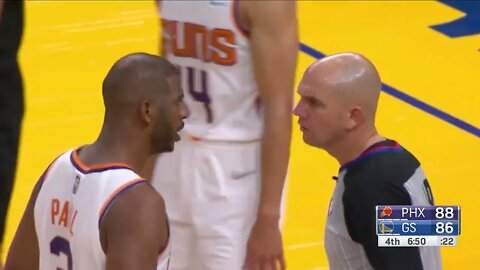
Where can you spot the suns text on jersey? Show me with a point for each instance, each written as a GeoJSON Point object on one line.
{"type": "Point", "coordinates": [185, 39]}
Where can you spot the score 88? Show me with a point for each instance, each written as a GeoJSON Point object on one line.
{"type": "Point", "coordinates": [444, 213]}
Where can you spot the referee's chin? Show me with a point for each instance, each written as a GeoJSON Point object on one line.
{"type": "Point", "coordinates": [312, 142]}
{"type": "Point", "coordinates": [309, 141]}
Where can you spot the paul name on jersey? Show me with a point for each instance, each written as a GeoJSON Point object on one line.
{"type": "Point", "coordinates": [62, 214]}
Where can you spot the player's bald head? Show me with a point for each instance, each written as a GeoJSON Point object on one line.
{"type": "Point", "coordinates": [135, 77]}
{"type": "Point", "coordinates": [352, 77]}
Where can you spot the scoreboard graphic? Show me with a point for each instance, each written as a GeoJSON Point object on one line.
{"type": "Point", "coordinates": [413, 226]}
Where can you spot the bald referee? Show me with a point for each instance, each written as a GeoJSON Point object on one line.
{"type": "Point", "coordinates": [339, 96]}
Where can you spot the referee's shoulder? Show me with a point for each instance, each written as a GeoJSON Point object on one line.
{"type": "Point", "coordinates": [382, 169]}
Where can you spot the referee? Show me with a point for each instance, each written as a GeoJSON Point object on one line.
{"type": "Point", "coordinates": [11, 100]}
{"type": "Point", "coordinates": [339, 96]}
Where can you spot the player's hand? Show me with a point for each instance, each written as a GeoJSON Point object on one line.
{"type": "Point", "coordinates": [264, 247]}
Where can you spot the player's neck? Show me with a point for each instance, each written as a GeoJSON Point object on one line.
{"type": "Point", "coordinates": [354, 145]}
{"type": "Point", "coordinates": [117, 148]}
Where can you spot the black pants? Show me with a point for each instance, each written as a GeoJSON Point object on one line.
{"type": "Point", "coordinates": [11, 114]}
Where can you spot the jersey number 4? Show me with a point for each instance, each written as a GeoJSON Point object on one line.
{"type": "Point", "coordinates": [61, 245]}
{"type": "Point", "coordinates": [197, 85]}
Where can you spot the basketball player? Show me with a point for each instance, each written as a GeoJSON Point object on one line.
{"type": "Point", "coordinates": [90, 209]}
{"type": "Point", "coordinates": [237, 62]}
{"type": "Point", "coordinates": [339, 96]}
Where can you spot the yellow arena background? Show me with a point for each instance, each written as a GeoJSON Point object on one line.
{"type": "Point", "coordinates": [69, 46]}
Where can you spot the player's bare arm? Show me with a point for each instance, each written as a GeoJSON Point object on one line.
{"type": "Point", "coordinates": [134, 230]}
{"type": "Point", "coordinates": [274, 42]}
{"type": "Point", "coordinates": [24, 253]}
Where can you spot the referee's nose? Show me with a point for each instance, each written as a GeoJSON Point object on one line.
{"type": "Point", "coordinates": [299, 109]}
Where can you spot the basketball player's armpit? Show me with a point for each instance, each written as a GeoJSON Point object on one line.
{"type": "Point", "coordinates": [134, 230]}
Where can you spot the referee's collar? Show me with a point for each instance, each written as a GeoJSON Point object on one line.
{"type": "Point", "coordinates": [379, 147]}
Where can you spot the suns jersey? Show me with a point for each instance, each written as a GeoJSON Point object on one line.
{"type": "Point", "coordinates": [212, 52]}
{"type": "Point", "coordinates": [70, 207]}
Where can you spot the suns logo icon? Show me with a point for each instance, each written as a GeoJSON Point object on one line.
{"type": "Point", "coordinates": [386, 212]}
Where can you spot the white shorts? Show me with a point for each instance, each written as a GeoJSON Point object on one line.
{"type": "Point", "coordinates": [211, 190]}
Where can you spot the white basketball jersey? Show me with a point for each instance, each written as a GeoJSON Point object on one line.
{"type": "Point", "coordinates": [69, 210]}
{"type": "Point", "coordinates": [212, 52]}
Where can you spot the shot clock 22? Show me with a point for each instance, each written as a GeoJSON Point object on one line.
{"type": "Point", "coordinates": [413, 226]}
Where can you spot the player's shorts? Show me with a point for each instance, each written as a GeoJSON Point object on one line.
{"type": "Point", "coordinates": [211, 190]}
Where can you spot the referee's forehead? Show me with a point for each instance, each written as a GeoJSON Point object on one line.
{"type": "Point", "coordinates": [305, 89]}
{"type": "Point", "coordinates": [309, 87]}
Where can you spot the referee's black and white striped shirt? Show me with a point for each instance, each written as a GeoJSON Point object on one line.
{"type": "Point", "coordinates": [385, 174]}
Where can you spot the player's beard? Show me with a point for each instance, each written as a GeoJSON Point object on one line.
{"type": "Point", "coordinates": [165, 137]}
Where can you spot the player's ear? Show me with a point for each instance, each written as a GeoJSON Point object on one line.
{"type": "Point", "coordinates": [146, 112]}
{"type": "Point", "coordinates": [355, 117]}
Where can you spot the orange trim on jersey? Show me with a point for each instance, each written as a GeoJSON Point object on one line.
{"type": "Point", "coordinates": [194, 138]}
{"type": "Point", "coordinates": [235, 17]}
{"type": "Point", "coordinates": [112, 196]}
{"type": "Point", "coordinates": [96, 166]}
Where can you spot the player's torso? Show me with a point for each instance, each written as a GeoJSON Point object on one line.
{"type": "Point", "coordinates": [213, 54]}
{"type": "Point", "coordinates": [68, 211]}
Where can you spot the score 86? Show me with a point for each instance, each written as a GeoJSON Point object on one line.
{"type": "Point", "coordinates": [444, 213]}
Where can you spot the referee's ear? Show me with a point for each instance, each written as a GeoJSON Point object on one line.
{"type": "Point", "coordinates": [356, 118]}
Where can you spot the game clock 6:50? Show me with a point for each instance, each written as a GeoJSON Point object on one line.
{"type": "Point", "coordinates": [417, 241]}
